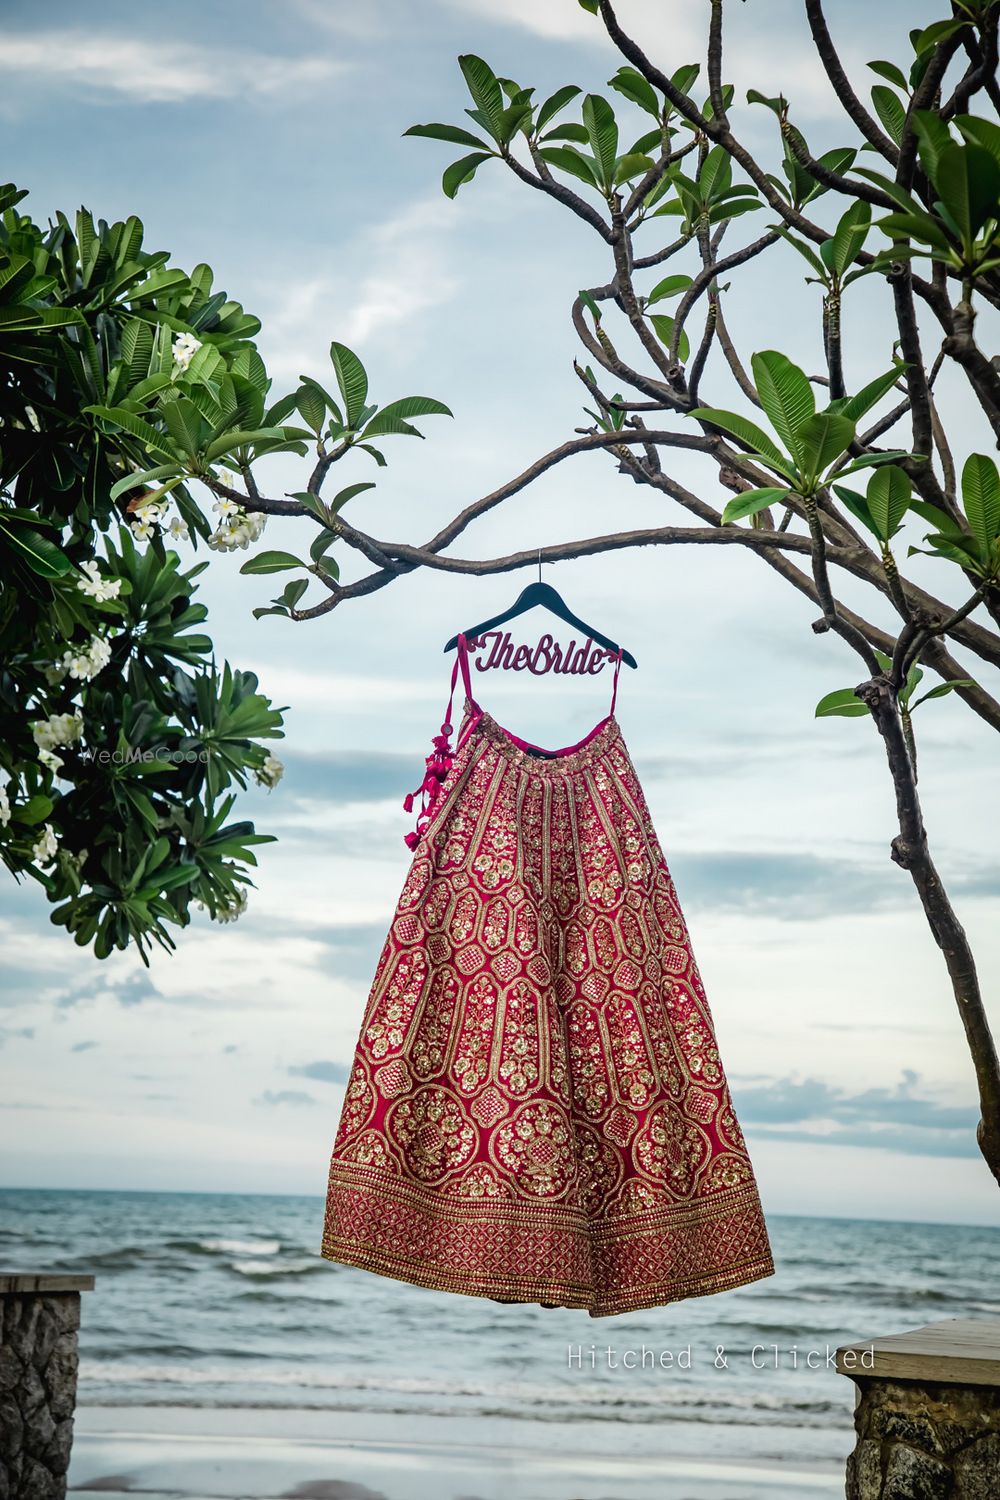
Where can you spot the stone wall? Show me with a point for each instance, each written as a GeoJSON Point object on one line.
{"type": "Point", "coordinates": [925, 1441]}
{"type": "Point", "coordinates": [39, 1319]}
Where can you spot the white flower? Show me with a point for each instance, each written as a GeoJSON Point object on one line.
{"type": "Point", "coordinates": [94, 585]}
{"type": "Point", "coordinates": [233, 910]}
{"type": "Point", "coordinates": [47, 846]}
{"type": "Point", "coordinates": [58, 729]}
{"type": "Point", "coordinates": [178, 529]}
{"type": "Point", "coordinates": [51, 761]}
{"type": "Point", "coordinates": [270, 773]}
{"type": "Point", "coordinates": [149, 512]}
{"type": "Point", "coordinates": [87, 662]}
{"type": "Point", "coordinates": [4, 807]}
{"type": "Point", "coordinates": [142, 531]}
{"type": "Point", "coordinates": [100, 654]}
{"type": "Point", "coordinates": [185, 347]}
{"type": "Point", "coordinates": [227, 507]}
{"type": "Point", "coordinates": [236, 528]}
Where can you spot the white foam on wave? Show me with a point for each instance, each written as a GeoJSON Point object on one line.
{"type": "Point", "coordinates": [242, 1247]}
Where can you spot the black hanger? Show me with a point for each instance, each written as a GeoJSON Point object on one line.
{"type": "Point", "coordinates": [545, 595]}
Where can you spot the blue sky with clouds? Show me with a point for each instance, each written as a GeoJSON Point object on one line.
{"type": "Point", "coordinates": [271, 147]}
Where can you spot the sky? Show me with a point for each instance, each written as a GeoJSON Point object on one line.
{"type": "Point", "coordinates": [273, 150]}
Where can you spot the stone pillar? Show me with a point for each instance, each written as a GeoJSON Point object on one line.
{"type": "Point", "coordinates": [39, 1319]}
{"type": "Point", "coordinates": [927, 1414]}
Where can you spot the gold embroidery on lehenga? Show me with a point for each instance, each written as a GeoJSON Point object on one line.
{"type": "Point", "coordinates": [537, 1108]}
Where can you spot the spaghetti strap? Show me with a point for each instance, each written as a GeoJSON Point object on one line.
{"type": "Point", "coordinates": [439, 762]}
{"type": "Point", "coordinates": [614, 688]}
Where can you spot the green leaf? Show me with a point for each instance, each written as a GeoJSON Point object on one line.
{"type": "Point", "coordinates": [919, 226]}
{"type": "Point", "coordinates": [242, 439]}
{"type": "Point", "coordinates": [664, 326]}
{"type": "Point", "coordinates": [857, 505]}
{"type": "Point", "coordinates": [841, 704]}
{"type": "Point", "coordinates": [942, 689]}
{"type": "Point", "coordinates": [631, 84]}
{"type": "Point", "coordinates": [462, 171]}
{"type": "Point", "coordinates": [749, 502]}
{"type": "Point", "coordinates": [954, 547]}
{"type": "Point", "coordinates": [568, 159]}
{"type": "Point", "coordinates": [822, 438]}
{"type": "Point", "coordinates": [979, 132]}
{"type": "Point", "coordinates": [453, 133]}
{"type": "Point", "coordinates": [855, 407]}
{"type": "Point", "coordinates": [591, 306]}
{"type": "Point", "coordinates": [292, 592]}
{"type": "Point", "coordinates": [569, 132]}
{"type": "Point", "coordinates": [889, 495]}
{"type": "Point", "coordinates": [889, 70]}
{"type": "Point", "coordinates": [777, 104]}
{"type": "Point", "coordinates": [351, 379]}
{"type": "Point", "coordinates": [785, 394]}
{"type": "Point", "coordinates": [312, 407]}
{"type": "Point", "coordinates": [391, 419]}
{"type": "Point", "coordinates": [553, 104]}
{"type": "Point", "coordinates": [271, 562]}
{"type": "Point", "coordinates": [141, 480]}
{"type": "Point", "coordinates": [670, 286]}
{"type": "Point", "coordinates": [968, 184]}
{"type": "Point", "coordinates": [632, 164]}
{"type": "Point", "coordinates": [849, 236]}
{"type": "Point", "coordinates": [935, 34]}
{"type": "Point", "coordinates": [130, 423]}
{"type": "Point", "coordinates": [939, 519]}
{"type": "Point", "coordinates": [872, 460]}
{"type": "Point", "coordinates": [32, 812]}
{"type": "Point", "coordinates": [185, 424]}
{"type": "Point", "coordinates": [748, 432]}
{"type": "Point", "coordinates": [806, 252]}
{"type": "Point", "coordinates": [890, 110]}
{"type": "Point", "coordinates": [40, 554]}
{"type": "Point", "coordinates": [981, 499]}
{"type": "Point", "coordinates": [485, 90]}
{"type": "Point", "coordinates": [341, 498]}
{"type": "Point", "coordinates": [602, 128]}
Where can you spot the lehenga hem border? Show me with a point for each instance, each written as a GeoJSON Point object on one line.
{"type": "Point", "coordinates": [634, 1299]}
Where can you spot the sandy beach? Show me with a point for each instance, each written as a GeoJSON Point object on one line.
{"type": "Point", "coordinates": [246, 1454]}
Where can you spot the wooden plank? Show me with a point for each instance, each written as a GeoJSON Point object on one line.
{"type": "Point", "coordinates": [960, 1351]}
{"type": "Point", "coordinates": [55, 1281]}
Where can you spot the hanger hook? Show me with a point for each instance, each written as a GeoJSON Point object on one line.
{"type": "Point", "coordinates": [539, 565]}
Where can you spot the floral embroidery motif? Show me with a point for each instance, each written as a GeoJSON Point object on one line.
{"type": "Point", "coordinates": [671, 1149]}
{"type": "Point", "coordinates": [536, 1149]}
{"type": "Point", "coordinates": [432, 1133]}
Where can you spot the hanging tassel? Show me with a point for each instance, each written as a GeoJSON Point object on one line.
{"type": "Point", "coordinates": [438, 764]}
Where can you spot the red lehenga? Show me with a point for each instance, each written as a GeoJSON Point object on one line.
{"type": "Point", "coordinates": [537, 1111]}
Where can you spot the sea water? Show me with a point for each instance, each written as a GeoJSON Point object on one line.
{"type": "Point", "coordinates": [222, 1301]}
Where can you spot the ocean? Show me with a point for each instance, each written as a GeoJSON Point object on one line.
{"type": "Point", "coordinates": [215, 1303]}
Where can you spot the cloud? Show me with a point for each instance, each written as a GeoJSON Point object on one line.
{"type": "Point", "coordinates": [349, 775]}
{"type": "Point", "coordinates": [270, 1098]}
{"type": "Point", "coordinates": [385, 280]}
{"type": "Point", "coordinates": [326, 1072]}
{"type": "Point", "coordinates": [131, 991]}
{"type": "Point", "coordinates": [7, 1033]}
{"type": "Point", "coordinates": [895, 1119]}
{"type": "Point", "coordinates": [676, 34]}
{"type": "Point", "coordinates": [83, 1046]}
{"type": "Point", "coordinates": [110, 67]}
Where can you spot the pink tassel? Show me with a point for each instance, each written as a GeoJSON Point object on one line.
{"type": "Point", "coordinates": [438, 764]}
